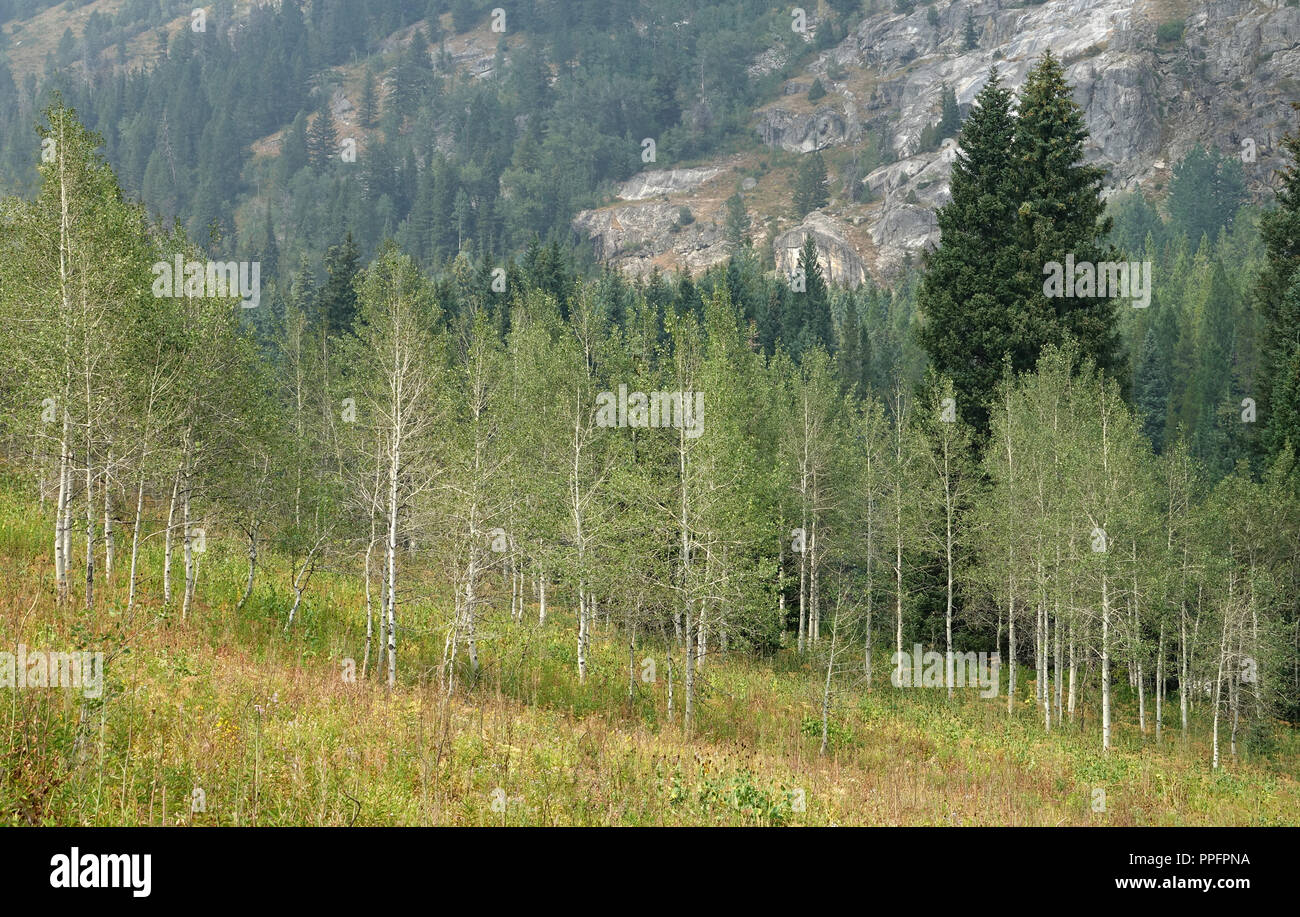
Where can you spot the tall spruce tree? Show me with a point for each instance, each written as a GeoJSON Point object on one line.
{"type": "Point", "coordinates": [812, 188]}
{"type": "Point", "coordinates": [369, 113]}
{"type": "Point", "coordinates": [1283, 429]}
{"type": "Point", "coordinates": [338, 297]}
{"type": "Point", "coordinates": [967, 297]}
{"type": "Point", "coordinates": [810, 312]}
{"type": "Point", "coordinates": [950, 119]}
{"type": "Point", "coordinates": [1151, 390]}
{"type": "Point", "coordinates": [1061, 213]}
{"type": "Point", "coordinates": [1280, 230]}
{"type": "Point", "coordinates": [321, 138]}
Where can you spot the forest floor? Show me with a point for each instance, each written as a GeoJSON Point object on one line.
{"type": "Point", "coordinates": [226, 719]}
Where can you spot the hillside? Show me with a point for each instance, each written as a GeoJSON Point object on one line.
{"type": "Point", "coordinates": [1154, 80]}
{"type": "Point", "coordinates": [267, 726]}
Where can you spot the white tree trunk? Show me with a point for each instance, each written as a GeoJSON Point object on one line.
{"type": "Point", "coordinates": [1074, 674]}
{"type": "Point", "coordinates": [1060, 665]}
{"type": "Point", "coordinates": [582, 633]}
{"type": "Point", "coordinates": [90, 524]}
{"type": "Point", "coordinates": [61, 559]}
{"type": "Point", "coordinates": [167, 540]}
{"type": "Point", "coordinates": [191, 571]}
{"type": "Point", "coordinates": [1105, 663]}
{"type": "Point", "coordinates": [688, 719]}
{"type": "Point", "coordinates": [370, 615]}
{"type": "Point", "coordinates": [390, 590]}
{"type": "Point", "coordinates": [135, 538]}
{"type": "Point", "coordinates": [1160, 682]}
{"type": "Point", "coordinates": [1011, 653]}
{"type": "Point", "coordinates": [108, 518]}
{"type": "Point", "coordinates": [1183, 667]}
{"type": "Point", "coordinates": [898, 573]}
{"type": "Point", "coordinates": [826, 687]}
{"type": "Point", "coordinates": [1218, 688]}
{"type": "Point", "coordinates": [803, 580]}
{"type": "Point", "coordinates": [252, 567]}
{"type": "Point", "coordinates": [948, 562]}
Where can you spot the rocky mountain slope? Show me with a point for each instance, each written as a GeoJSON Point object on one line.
{"type": "Point", "coordinates": [1154, 78]}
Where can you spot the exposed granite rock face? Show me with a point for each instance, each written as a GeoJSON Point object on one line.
{"type": "Point", "coordinates": [624, 230]}
{"type": "Point", "coordinates": [829, 125]}
{"type": "Point", "coordinates": [637, 236]}
{"type": "Point", "coordinates": [922, 178]}
{"type": "Point", "coordinates": [664, 181]}
{"type": "Point", "coordinates": [769, 61]}
{"type": "Point", "coordinates": [837, 256]}
{"type": "Point", "coordinates": [906, 229]}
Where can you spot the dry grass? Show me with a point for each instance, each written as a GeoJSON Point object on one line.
{"type": "Point", "coordinates": [265, 725]}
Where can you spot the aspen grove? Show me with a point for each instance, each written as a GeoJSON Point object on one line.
{"type": "Point", "coordinates": [436, 439]}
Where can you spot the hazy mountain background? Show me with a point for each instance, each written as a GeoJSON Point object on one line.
{"type": "Point", "coordinates": [473, 140]}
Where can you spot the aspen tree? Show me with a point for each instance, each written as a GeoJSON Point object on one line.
{"type": "Point", "coordinates": [397, 367]}
{"type": "Point", "coordinates": [944, 490]}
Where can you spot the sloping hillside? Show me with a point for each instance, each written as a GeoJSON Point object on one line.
{"type": "Point", "coordinates": [1153, 78]}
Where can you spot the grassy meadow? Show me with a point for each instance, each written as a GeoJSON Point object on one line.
{"type": "Point", "coordinates": [226, 719]}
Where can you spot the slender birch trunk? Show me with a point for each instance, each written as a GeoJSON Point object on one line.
{"type": "Point", "coordinates": [108, 518]}
{"type": "Point", "coordinates": [167, 539]}
{"type": "Point", "coordinates": [139, 494]}
{"type": "Point", "coordinates": [948, 562]}
{"type": "Point", "coordinates": [1059, 664]}
{"type": "Point", "coordinates": [90, 515]}
{"type": "Point", "coordinates": [803, 579]}
{"type": "Point", "coordinates": [61, 558]}
{"type": "Point", "coordinates": [135, 535]}
{"type": "Point", "coordinates": [780, 576]}
{"type": "Point", "coordinates": [1105, 663]}
{"type": "Point", "coordinates": [1218, 688]}
{"type": "Point", "coordinates": [688, 718]}
{"type": "Point", "coordinates": [1183, 667]}
{"type": "Point", "coordinates": [631, 664]}
{"type": "Point", "coordinates": [370, 613]}
{"type": "Point", "coordinates": [252, 568]}
{"type": "Point", "coordinates": [390, 598]}
{"type": "Point", "coordinates": [1160, 682]}
{"type": "Point", "coordinates": [63, 522]}
{"type": "Point", "coordinates": [191, 569]}
{"type": "Point", "coordinates": [871, 587]}
{"type": "Point", "coordinates": [1074, 674]}
{"type": "Point", "coordinates": [1011, 653]}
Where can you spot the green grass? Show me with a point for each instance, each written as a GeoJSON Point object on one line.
{"type": "Point", "coordinates": [263, 723]}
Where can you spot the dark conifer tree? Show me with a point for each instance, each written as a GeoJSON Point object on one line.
{"type": "Point", "coordinates": [967, 298]}
{"type": "Point", "coordinates": [338, 296]}
{"type": "Point", "coordinates": [1151, 390]}
{"type": "Point", "coordinates": [812, 187]}
{"type": "Point", "coordinates": [322, 141]}
{"type": "Point", "coordinates": [1061, 212]}
{"type": "Point", "coordinates": [1279, 302]}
